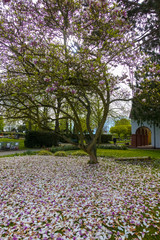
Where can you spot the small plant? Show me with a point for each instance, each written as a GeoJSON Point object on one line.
{"type": "Point", "coordinates": [28, 152]}
{"type": "Point", "coordinates": [117, 147]}
{"type": "Point", "coordinates": [156, 163]}
{"type": "Point", "coordinates": [60, 154]}
{"type": "Point", "coordinates": [45, 153]}
{"type": "Point", "coordinates": [79, 153]}
{"type": "Point", "coordinates": [64, 148]}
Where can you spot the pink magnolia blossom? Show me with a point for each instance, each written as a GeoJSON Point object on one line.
{"type": "Point", "coordinates": [47, 79]}
{"type": "Point", "coordinates": [153, 69]}
{"type": "Point", "coordinates": [43, 60]}
{"type": "Point", "coordinates": [51, 89]}
{"type": "Point", "coordinates": [6, 1]}
{"type": "Point", "coordinates": [102, 82]}
{"type": "Point", "coordinates": [47, 90]}
{"type": "Point", "coordinates": [56, 83]}
{"type": "Point", "coordinates": [34, 60]}
{"type": "Point", "coordinates": [33, 43]}
{"type": "Point", "coordinates": [73, 91]}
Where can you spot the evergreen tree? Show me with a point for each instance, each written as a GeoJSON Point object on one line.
{"type": "Point", "coordinates": [145, 20]}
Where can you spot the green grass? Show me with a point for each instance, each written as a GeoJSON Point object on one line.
{"type": "Point", "coordinates": [110, 153]}
{"type": "Point", "coordinates": [27, 152]}
{"type": "Point", "coordinates": [114, 153]}
{"type": "Point", "coordinates": [20, 141]}
{"type": "Point", "coordinates": [128, 153]}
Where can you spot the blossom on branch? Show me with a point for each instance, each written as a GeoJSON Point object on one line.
{"type": "Point", "coordinates": [6, 1]}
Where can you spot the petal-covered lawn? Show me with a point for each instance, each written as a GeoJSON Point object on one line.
{"type": "Point", "coordinates": [44, 197]}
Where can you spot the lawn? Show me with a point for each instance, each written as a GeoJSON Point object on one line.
{"type": "Point", "coordinates": [129, 153]}
{"type": "Point", "coordinates": [20, 141]}
{"type": "Point", "coordinates": [48, 197]}
{"type": "Point", "coordinates": [114, 153]}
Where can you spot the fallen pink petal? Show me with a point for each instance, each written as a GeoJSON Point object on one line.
{"type": "Point", "coordinates": [44, 197]}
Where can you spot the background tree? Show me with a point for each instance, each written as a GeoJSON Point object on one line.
{"type": "Point", "coordinates": [1, 123]}
{"type": "Point", "coordinates": [122, 121]}
{"type": "Point", "coordinates": [146, 101]}
{"type": "Point", "coordinates": [145, 19]}
{"type": "Point", "coordinates": [122, 128]}
{"type": "Point", "coordinates": [64, 51]}
{"type": "Point", "coordinates": [22, 128]}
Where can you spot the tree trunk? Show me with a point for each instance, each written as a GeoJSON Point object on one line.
{"type": "Point", "coordinates": [93, 155]}
{"type": "Point", "coordinates": [57, 132]}
{"type": "Point", "coordinates": [30, 125]}
{"type": "Point", "coordinates": [99, 139]}
{"type": "Point", "coordinates": [67, 130]}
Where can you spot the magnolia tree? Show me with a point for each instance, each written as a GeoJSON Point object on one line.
{"type": "Point", "coordinates": [57, 55]}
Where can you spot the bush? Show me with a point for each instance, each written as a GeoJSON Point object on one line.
{"type": "Point", "coordinates": [79, 153]}
{"type": "Point", "coordinates": [28, 152]}
{"type": "Point", "coordinates": [117, 147]}
{"type": "Point", "coordinates": [13, 134]}
{"type": "Point", "coordinates": [60, 154]}
{"type": "Point", "coordinates": [73, 137]}
{"type": "Point", "coordinates": [45, 153]}
{"type": "Point", "coordinates": [156, 163]}
{"type": "Point", "coordinates": [106, 138]}
{"type": "Point", "coordinates": [40, 139]}
{"type": "Point", "coordinates": [64, 148]}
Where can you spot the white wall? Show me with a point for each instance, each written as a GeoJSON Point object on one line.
{"type": "Point", "coordinates": [157, 137]}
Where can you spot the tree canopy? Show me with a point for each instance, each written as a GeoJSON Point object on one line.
{"type": "Point", "coordinates": [1, 123]}
{"type": "Point", "coordinates": [122, 128]}
{"type": "Point", "coordinates": [56, 59]}
{"type": "Point", "coordinates": [122, 121]}
{"type": "Point", "coordinates": [146, 99]}
{"type": "Point", "coordinates": [145, 18]}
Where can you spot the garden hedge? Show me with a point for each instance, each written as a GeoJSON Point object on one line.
{"type": "Point", "coordinates": [105, 138]}
{"type": "Point", "coordinates": [40, 139]}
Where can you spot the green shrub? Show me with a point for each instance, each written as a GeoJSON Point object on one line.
{"type": "Point", "coordinates": [40, 139]}
{"type": "Point", "coordinates": [79, 153]}
{"type": "Point", "coordinates": [28, 152]}
{"type": "Point", "coordinates": [106, 138]}
{"type": "Point", "coordinates": [45, 152]}
{"type": "Point", "coordinates": [60, 154]}
{"type": "Point", "coordinates": [64, 148]}
{"type": "Point", "coordinates": [156, 163]}
{"type": "Point", "coordinates": [117, 147]}
{"type": "Point", "coordinates": [73, 137]}
{"type": "Point", "coordinates": [13, 134]}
